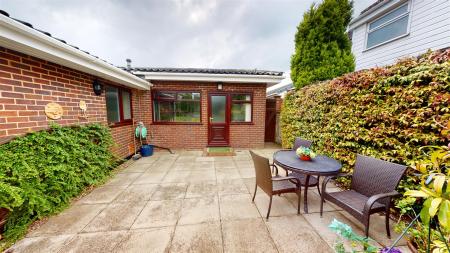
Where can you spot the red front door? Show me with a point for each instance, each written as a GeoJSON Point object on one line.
{"type": "Point", "coordinates": [218, 120]}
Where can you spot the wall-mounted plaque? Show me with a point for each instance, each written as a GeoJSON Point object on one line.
{"type": "Point", "coordinates": [54, 110]}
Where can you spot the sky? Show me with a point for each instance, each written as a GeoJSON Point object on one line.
{"type": "Point", "coordinates": [174, 33]}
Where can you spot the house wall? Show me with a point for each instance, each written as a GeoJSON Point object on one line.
{"type": "Point", "coordinates": [196, 135]}
{"type": "Point", "coordinates": [429, 29]}
{"type": "Point", "coordinates": [27, 84]}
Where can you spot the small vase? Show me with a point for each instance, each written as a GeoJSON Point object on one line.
{"type": "Point", "coordinates": [305, 158]}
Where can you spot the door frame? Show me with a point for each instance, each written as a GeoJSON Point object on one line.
{"type": "Point", "coordinates": [227, 117]}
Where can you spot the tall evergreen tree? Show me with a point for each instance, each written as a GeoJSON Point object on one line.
{"type": "Point", "coordinates": [322, 47]}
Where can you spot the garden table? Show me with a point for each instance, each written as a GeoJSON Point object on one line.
{"type": "Point", "coordinates": [321, 165]}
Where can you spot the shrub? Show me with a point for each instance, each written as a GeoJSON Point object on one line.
{"type": "Point", "coordinates": [387, 113]}
{"type": "Point", "coordinates": [42, 171]}
{"type": "Point", "coordinates": [322, 46]}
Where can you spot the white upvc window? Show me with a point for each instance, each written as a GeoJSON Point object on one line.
{"type": "Point", "coordinates": [392, 25]}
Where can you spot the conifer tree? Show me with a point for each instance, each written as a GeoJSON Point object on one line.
{"type": "Point", "coordinates": [322, 46]}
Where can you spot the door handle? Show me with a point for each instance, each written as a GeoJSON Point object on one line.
{"type": "Point", "coordinates": [210, 119]}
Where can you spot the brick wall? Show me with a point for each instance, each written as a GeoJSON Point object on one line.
{"type": "Point", "coordinates": [27, 84]}
{"type": "Point", "coordinates": [196, 136]}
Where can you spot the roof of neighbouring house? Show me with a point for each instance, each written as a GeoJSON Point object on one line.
{"type": "Point", "coordinates": [248, 76]}
{"type": "Point", "coordinates": [372, 6]}
{"type": "Point", "coordinates": [209, 71]}
{"type": "Point", "coordinates": [371, 10]}
{"type": "Point", "coordinates": [34, 37]}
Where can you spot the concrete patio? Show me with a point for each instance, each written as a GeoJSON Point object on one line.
{"type": "Point", "coordinates": [189, 203]}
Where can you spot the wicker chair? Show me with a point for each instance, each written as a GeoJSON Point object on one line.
{"type": "Point", "coordinates": [373, 186]}
{"type": "Point", "coordinates": [273, 185]}
{"type": "Point", "coordinates": [313, 180]}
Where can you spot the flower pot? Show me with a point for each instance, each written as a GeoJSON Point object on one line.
{"type": "Point", "coordinates": [305, 158]}
{"type": "Point", "coordinates": [411, 246]}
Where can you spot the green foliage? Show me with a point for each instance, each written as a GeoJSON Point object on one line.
{"type": "Point", "coordinates": [42, 171]}
{"type": "Point", "coordinates": [346, 232]}
{"type": "Point", "coordinates": [387, 113]}
{"type": "Point", "coordinates": [322, 47]}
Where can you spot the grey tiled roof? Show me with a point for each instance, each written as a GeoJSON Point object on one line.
{"type": "Point", "coordinates": [256, 72]}
{"type": "Point", "coordinates": [4, 13]}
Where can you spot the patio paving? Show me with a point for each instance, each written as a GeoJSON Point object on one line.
{"type": "Point", "coordinates": [185, 202]}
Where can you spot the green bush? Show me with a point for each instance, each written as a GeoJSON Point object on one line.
{"type": "Point", "coordinates": [322, 46]}
{"type": "Point", "coordinates": [387, 113]}
{"type": "Point", "coordinates": [42, 171]}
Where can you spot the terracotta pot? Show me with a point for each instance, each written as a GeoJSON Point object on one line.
{"type": "Point", "coordinates": [411, 246]}
{"type": "Point", "coordinates": [305, 158]}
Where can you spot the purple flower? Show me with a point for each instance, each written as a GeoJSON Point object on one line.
{"type": "Point", "coordinates": [386, 249]}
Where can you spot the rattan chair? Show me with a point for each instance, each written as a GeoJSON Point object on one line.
{"type": "Point", "coordinates": [373, 186]}
{"type": "Point", "coordinates": [313, 180]}
{"type": "Point", "coordinates": [273, 185]}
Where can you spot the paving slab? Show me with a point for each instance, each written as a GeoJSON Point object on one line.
{"type": "Point", "coordinates": [158, 214]}
{"type": "Point", "coordinates": [313, 202]}
{"type": "Point", "coordinates": [247, 173]}
{"type": "Point", "coordinates": [177, 177]}
{"type": "Point", "coordinates": [170, 191]}
{"type": "Point", "coordinates": [150, 177]}
{"type": "Point", "coordinates": [204, 165]}
{"type": "Point", "coordinates": [117, 216]}
{"type": "Point", "coordinates": [124, 179]}
{"type": "Point", "coordinates": [137, 193]}
{"type": "Point", "coordinates": [231, 186]}
{"type": "Point", "coordinates": [102, 195]}
{"type": "Point", "coordinates": [280, 205]}
{"type": "Point", "coordinates": [70, 221]}
{"type": "Point", "coordinates": [199, 210]}
{"type": "Point", "coordinates": [205, 237]}
{"type": "Point", "coordinates": [136, 168]}
{"type": "Point", "coordinates": [41, 244]}
{"type": "Point", "coordinates": [201, 189]}
{"type": "Point", "coordinates": [155, 240]}
{"type": "Point", "coordinates": [94, 242]}
{"type": "Point", "coordinates": [227, 173]}
{"type": "Point", "coordinates": [237, 207]}
{"type": "Point", "coordinates": [294, 234]}
{"type": "Point", "coordinates": [225, 164]}
{"type": "Point", "coordinates": [247, 235]}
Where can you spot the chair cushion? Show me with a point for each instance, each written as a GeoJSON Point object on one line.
{"type": "Point", "coordinates": [283, 186]}
{"type": "Point", "coordinates": [352, 202]}
{"type": "Point", "coordinates": [313, 181]}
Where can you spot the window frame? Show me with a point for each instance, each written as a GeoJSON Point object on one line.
{"type": "Point", "coordinates": [122, 121]}
{"type": "Point", "coordinates": [241, 102]}
{"type": "Point", "coordinates": [153, 94]}
{"type": "Point", "coordinates": [368, 30]}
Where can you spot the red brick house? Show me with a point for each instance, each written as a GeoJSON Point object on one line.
{"type": "Point", "coordinates": [182, 108]}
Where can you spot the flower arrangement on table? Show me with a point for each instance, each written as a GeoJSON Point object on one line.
{"type": "Point", "coordinates": [305, 154]}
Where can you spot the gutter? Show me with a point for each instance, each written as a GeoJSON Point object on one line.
{"type": "Point", "coordinates": [19, 37]}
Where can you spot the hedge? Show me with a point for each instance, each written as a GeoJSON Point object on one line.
{"type": "Point", "coordinates": [386, 113]}
{"type": "Point", "coordinates": [41, 172]}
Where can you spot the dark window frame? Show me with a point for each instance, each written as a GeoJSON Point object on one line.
{"type": "Point", "coordinates": [122, 121]}
{"type": "Point", "coordinates": [154, 99]}
{"type": "Point", "coordinates": [241, 102]}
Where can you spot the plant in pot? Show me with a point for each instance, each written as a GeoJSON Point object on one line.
{"type": "Point", "coordinates": [305, 154]}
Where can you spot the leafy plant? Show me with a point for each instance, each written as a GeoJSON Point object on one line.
{"type": "Point", "coordinates": [305, 151]}
{"type": "Point", "coordinates": [346, 232]}
{"type": "Point", "coordinates": [42, 171]}
{"type": "Point", "coordinates": [322, 46]}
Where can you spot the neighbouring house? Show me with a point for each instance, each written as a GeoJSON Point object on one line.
{"type": "Point", "coordinates": [280, 89]}
{"type": "Point", "coordinates": [182, 108]}
{"type": "Point", "coordinates": [392, 29]}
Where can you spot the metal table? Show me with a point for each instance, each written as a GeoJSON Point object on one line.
{"type": "Point", "coordinates": [319, 166]}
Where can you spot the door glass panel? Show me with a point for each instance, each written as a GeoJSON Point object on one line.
{"type": "Point", "coordinates": [218, 109]}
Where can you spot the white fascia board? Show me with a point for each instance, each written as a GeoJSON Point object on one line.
{"type": "Point", "coordinates": [374, 13]}
{"type": "Point", "coordinates": [227, 78]}
{"type": "Point", "coordinates": [21, 38]}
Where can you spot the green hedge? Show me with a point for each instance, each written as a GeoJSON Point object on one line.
{"type": "Point", "coordinates": [382, 112]}
{"type": "Point", "coordinates": [42, 171]}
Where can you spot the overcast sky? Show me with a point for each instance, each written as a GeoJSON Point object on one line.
{"type": "Point", "coordinates": [174, 33]}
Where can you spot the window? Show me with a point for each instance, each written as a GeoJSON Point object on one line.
{"type": "Point", "coordinates": [118, 105]}
{"type": "Point", "coordinates": [390, 26]}
{"type": "Point", "coordinates": [182, 107]}
{"type": "Point", "coordinates": [241, 108]}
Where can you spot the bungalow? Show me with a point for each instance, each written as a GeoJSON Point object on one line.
{"type": "Point", "coordinates": [391, 29]}
{"type": "Point", "coordinates": [44, 79]}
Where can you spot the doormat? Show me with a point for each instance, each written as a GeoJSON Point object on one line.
{"type": "Point", "coordinates": [219, 151]}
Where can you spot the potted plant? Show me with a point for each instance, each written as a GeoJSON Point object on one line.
{"type": "Point", "coordinates": [305, 154]}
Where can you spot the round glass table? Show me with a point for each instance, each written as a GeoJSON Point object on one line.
{"type": "Point", "coordinates": [321, 165]}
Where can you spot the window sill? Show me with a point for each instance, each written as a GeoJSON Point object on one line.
{"type": "Point", "coordinates": [120, 124]}
{"type": "Point", "coordinates": [177, 123]}
{"type": "Point", "coordinates": [386, 42]}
